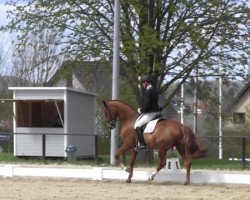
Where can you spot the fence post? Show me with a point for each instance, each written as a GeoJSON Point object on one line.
{"type": "Point", "coordinates": [44, 148]}
{"type": "Point", "coordinates": [96, 149]}
{"type": "Point", "coordinates": [243, 153]}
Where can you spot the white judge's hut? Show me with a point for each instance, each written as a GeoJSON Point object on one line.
{"type": "Point", "coordinates": [49, 119]}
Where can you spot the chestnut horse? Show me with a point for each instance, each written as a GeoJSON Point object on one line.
{"type": "Point", "coordinates": [167, 134]}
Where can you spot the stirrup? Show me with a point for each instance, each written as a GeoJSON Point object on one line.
{"type": "Point", "coordinates": [140, 148]}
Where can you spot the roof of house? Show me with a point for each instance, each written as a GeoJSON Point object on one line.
{"type": "Point", "coordinates": [240, 94]}
{"type": "Point", "coordinates": [64, 72]}
{"type": "Point", "coordinates": [93, 75]}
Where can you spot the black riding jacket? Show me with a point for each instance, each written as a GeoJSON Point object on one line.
{"type": "Point", "coordinates": [150, 100]}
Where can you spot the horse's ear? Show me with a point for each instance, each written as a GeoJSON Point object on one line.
{"type": "Point", "coordinates": [104, 103]}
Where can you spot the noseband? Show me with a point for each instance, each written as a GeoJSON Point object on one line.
{"type": "Point", "coordinates": [111, 120]}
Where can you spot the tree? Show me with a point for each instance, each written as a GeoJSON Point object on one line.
{"type": "Point", "coordinates": [4, 51]}
{"type": "Point", "coordinates": [35, 59]}
{"type": "Point", "coordinates": [1, 58]}
{"type": "Point", "coordinates": [164, 38]}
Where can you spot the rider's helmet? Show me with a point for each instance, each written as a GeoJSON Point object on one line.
{"type": "Point", "coordinates": [147, 78]}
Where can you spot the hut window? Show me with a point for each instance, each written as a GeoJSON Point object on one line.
{"type": "Point", "coordinates": [239, 118]}
{"type": "Point", "coordinates": [38, 114]}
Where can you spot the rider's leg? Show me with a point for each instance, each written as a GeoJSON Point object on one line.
{"type": "Point", "coordinates": [141, 142]}
{"type": "Point", "coordinates": [141, 121]}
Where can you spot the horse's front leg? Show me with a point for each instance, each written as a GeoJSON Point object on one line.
{"type": "Point", "coordinates": [118, 154]}
{"type": "Point", "coordinates": [121, 151]}
{"type": "Point", "coordinates": [132, 163]}
{"type": "Point", "coordinates": [162, 162]}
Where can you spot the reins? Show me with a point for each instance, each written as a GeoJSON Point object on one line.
{"type": "Point", "coordinates": [112, 118]}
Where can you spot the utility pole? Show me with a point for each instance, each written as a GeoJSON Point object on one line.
{"type": "Point", "coordinates": [115, 77]}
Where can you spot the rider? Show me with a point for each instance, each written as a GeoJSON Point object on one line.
{"type": "Point", "coordinates": [149, 109]}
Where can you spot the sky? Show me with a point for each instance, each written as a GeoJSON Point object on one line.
{"type": "Point", "coordinates": [5, 40]}
{"type": "Point", "coordinates": [3, 9]}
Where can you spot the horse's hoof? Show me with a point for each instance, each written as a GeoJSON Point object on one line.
{"type": "Point", "coordinates": [150, 178]}
{"type": "Point", "coordinates": [186, 183]}
{"type": "Point", "coordinates": [128, 181]}
{"type": "Point", "coordinates": [127, 169]}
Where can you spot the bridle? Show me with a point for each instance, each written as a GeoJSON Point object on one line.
{"type": "Point", "coordinates": [111, 116]}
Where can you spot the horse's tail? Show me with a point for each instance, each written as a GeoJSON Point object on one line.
{"type": "Point", "coordinates": [192, 147]}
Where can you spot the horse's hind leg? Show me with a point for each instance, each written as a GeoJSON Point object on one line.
{"type": "Point", "coordinates": [187, 163]}
{"type": "Point", "coordinates": [162, 162]}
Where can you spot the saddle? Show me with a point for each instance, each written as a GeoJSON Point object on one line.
{"type": "Point", "coordinates": [150, 126]}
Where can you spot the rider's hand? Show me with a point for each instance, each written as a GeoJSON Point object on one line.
{"type": "Point", "coordinates": [139, 110]}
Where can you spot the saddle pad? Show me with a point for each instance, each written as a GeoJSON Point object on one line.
{"type": "Point", "coordinates": [151, 126]}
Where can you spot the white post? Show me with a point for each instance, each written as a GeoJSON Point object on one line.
{"type": "Point", "coordinates": [115, 78]}
{"type": "Point", "coordinates": [220, 119]}
{"type": "Point", "coordinates": [182, 103]}
{"type": "Point", "coordinates": [182, 94]}
{"type": "Point", "coordinates": [195, 102]}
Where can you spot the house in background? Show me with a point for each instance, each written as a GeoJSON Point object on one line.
{"type": "Point", "coordinates": [91, 76]}
{"type": "Point", "coordinates": [240, 108]}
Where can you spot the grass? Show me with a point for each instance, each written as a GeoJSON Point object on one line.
{"type": "Point", "coordinates": [9, 158]}
{"type": "Point", "coordinates": [208, 163]}
{"type": "Point", "coordinates": [214, 164]}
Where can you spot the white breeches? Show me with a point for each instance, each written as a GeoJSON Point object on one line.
{"type": "Point", "coordinates": [145, 118]}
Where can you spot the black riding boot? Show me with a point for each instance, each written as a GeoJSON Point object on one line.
{"type": "Point", "coordinates": [140, 143]}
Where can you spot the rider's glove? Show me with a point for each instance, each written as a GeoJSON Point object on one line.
{"type": "Point", "coordinates": [139, 110]}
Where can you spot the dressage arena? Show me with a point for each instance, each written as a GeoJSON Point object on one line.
{"type": "Point", "coordinates": [79, 189]}
{"type": "Point", "coordinates": [53, 182]}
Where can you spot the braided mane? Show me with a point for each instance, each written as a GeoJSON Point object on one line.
{"type": "Point", "coordinates": [122, 102]}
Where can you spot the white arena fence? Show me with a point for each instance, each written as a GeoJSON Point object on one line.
{"type": "Point", "coordinates": [100, 173]}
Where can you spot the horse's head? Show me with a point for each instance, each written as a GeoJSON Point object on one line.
{"type": "Point", "coordinates": [111, 115]}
